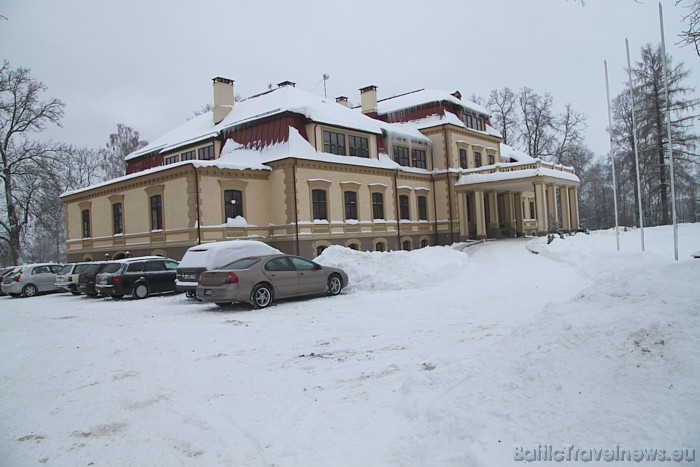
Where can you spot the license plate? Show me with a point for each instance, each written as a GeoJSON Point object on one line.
{"type": "Point", "coordinates": [207, 291]}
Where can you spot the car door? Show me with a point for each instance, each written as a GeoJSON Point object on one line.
{"type": "Point", "coordinates": [42, 277]}
{"type": "Point", "coordinates": [312, 279]}
{"type": "Point", "coordinates": [156, 275]}
{"type": "Point", "coordinates": [283, 276]}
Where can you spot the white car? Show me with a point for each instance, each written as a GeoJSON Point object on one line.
{"type": "Point", "coordinates": [31, 279]}
{"type": "Point", "coordinates": [67, 278]}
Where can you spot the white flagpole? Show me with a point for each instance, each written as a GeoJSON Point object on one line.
{"type": "Point", "coordinates": [612, 158]}
{"type": "Point", "coordinates": [634, 142]}
{"type": "Point", "coordinates": [670, 138]}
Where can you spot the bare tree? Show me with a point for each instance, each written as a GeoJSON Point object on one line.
{"type": "Point", "coordinates": [568, 128]}
{"type": "Point", "coordinates": [537, 129]}
{"type": "Point", "coordinates": [22, 112]}
{"type": "Point", "coordinates": [122, 143]}
{"type": "Point", "coordinates": [691, 35]}
{"type": "Point", "coordinates": [503, 105]}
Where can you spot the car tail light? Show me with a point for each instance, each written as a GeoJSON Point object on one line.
{"type": "Point", "coordinates": [93, 278]}
{"type": "Point", "coordinates": [232, 278]}
{"type": "Point", "coordinates": [17, 277]}
{"type": "Point", "coordinates": [117, 280]}
{"type": "Point", "coordinates": [70, 278]}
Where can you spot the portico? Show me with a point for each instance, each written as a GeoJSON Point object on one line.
{"type": "Point", "coordinates": [514, 200]}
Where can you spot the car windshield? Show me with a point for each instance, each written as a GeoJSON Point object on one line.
{"type": "Point", "coordinates": [112, 267]}
{"type": "Point", "coordinates": [244, 263]}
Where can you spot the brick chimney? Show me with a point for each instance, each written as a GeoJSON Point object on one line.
{"type": "Point", "coordinates": [342, 100]}
{"type": "Point", "coordinates": [369, 100]}
{"type": "Point", "coordinates": [223, 98]}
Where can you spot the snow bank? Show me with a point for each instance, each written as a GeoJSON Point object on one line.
{"type": "Point", "coordinates": [396, 270]}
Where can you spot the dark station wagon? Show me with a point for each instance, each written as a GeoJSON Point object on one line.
{"type": "Point", "coordinates": [139, 277]}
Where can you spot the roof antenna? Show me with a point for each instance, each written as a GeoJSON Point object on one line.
{"type": "Point", "coordinates": [326, 77]}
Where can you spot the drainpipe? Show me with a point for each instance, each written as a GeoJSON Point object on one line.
{"type": "Point", "coordinates": [449, 188]}
{"type": "Point", "coordinates": [435, 220]}
{"type": "Point", "coordinates": [196, 197]}
{"type": "Point", "coordinates": [296, 205]}
{"type": "Point", "coordinates": [396, 208]}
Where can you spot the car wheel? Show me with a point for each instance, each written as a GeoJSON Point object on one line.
{"type": "Point", "coordinates": [29, 290]}
{"type": "Point", "coordinates": [141, 291]}
{"type": "Point", "coordinates": [223, 304]}
{"type": "Point", "coordinates": [261, 296]}
{"type": "Point", "coordinates": [190, 294]}
{"type": "Point", "coordinates": [335, 285]}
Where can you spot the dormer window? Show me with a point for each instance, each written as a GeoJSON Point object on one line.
{"type": "Point", "coordinates": [401, 156]}
{"type": "Point", "coordinates": [359, 146]}
{"type": "Point", "coordinates": [334, 143]}
{"type": "Point", "coordinates": [475, 122]}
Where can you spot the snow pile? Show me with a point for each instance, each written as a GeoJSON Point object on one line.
{"type": "Point", "coordinates": [396, 270]}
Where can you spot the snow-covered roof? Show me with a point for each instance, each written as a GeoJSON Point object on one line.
{"type": "Point", "coordinates": [435, 120]}
{"type": "Point", "coordinates": [499, 176]}
{"type": "Point", "coordinates": [515, 155]}
{"type": "Point", "coordinates": [280, 100]}
{"type": "Point", "coordinates": [426, 96]}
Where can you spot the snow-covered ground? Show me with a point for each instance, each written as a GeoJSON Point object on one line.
{"type": "Point", "coordinates": [433, 357]}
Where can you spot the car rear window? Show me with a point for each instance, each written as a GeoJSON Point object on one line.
{"type": "Point", "coordinates": [244, 263]}
{"type": "Point", "coordinates": [92, 268]}
{"type": "Point", "coordinates": [66, 269]}
{"type": "Point", "coordinates": [112, 267]}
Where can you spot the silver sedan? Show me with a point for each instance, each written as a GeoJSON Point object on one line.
{"type": "Point", "coordinates": [261, 279]}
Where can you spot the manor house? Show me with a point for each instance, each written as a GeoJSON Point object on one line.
{"type": "Point", "coordinates": [302, 172]}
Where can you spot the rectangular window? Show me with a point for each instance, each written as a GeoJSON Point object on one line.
{"type": "Point", "coordinates": [480, 124]}
{"type": "Point", "coordinates": [492, 160]}
{"type": "Point", "coordinates": [156, 213]}
{"type": "Point", "coordinates": [401, 156]}
{"type": "Point", "coordinates": [207, 153]}
{"type": "Point", "coordinates": [350, 204]}
{"type": "Point", "coordinates": [86, 223]}
{"type": "Point", "coordinates": [233, 203]}
{"type": "Point", "coordinates": [403, 207]}
{"type": "Point", "coordinates": [463, 158]}
{"type": "Point", "coordinates": [469, 120]}
{"type": "Point", "coordinates": [118, 218]}
{"type": "Point", "coordinates": [359, 146]}
{"type": "Point", "coordinates": [418, 156]}
{"type": "Point", "coordinates": [377, 205]}
{"type": "Point", "coordinates": [422, 208]}
{"type": "Point", "coordinates": [172, 159]}
{"type": "Point", "coordinates": [532, 210]}
{"type": "Point", "coordinates": [188, 156]}
{"type": "Point", "coordinates": [334, 143]}
{"type": "Point", "coordinates": [318, 198]}
{"type": "Point", "coordinates": [477, 159]}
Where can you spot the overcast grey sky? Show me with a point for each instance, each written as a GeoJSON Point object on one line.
{"type": "Point", "coordinates": [149, 63]}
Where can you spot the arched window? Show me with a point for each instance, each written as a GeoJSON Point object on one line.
{"type": "Point", "coordinates": [379, 246]}
{"type": "Point", "coordinates": [407, 245]}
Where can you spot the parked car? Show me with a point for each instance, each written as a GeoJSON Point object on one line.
{"type": "Point", "coordinates": [138, 277]}
{"type": "Point", "coordinates": [261, 279]}
{"type": "Point", "coordinates": [68, 276]}
{"type": "Point", "coordinates": [3, 273]}
{"type": "Point", "coordinates": [214, 255]}
{"type": "Point", "coordinates": [88, 276]}
{"type": "Point", "coordinates": [31, 279]}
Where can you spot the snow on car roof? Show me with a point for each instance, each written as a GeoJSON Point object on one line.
{"type": "Point", "coordinates": [217, 254]}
